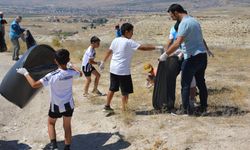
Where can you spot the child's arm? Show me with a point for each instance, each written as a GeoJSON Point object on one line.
{"type": "Point", "coordinates": [32, 82]}
{"type": "Point", "coordinates": [108, 54]}
{"type": "Point", "coordinates": [149, 47]}
{"type": "Point", "coordinates": [91, 61]}
{"type": "Point", "coordinates": [70, 65]}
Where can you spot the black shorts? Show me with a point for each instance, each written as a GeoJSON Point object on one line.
{"type": "Point", "coordinates": [57, 114]}
{"type": "Point", "coordinates": [122, 81]}
{"type": "Point", "coordinates": [88, 73]}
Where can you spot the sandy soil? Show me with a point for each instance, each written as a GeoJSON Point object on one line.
{"type": "Point", "coordinates": [226, 126]}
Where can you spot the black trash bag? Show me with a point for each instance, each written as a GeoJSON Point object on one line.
{"type": "Point", "coordinates": [38, 60]}
{"type": "Point", "coordinates": [30, 41]}
{"type": "Point", "coordinates": [165, 83]}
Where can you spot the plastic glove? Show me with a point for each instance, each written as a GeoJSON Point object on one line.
{"type": "Point", "coordinates": [101, 66]}
{"type": "Point", "coordinates": [22, 71]}
{"type": "Point", "coordinates": [163, 57]}
{"type": "Point", "coordinates": [69, 65]}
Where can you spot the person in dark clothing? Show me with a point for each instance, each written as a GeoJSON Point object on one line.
{"type": "Point", "coordinates": [3, 22]}
{"type": "Point", "coordinates": [195, 58]}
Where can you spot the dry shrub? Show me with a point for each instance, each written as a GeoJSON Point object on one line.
{"type": "Point", "coordinates": [159, 144]}
{"type": "Point", "coordinates": [56, 42]}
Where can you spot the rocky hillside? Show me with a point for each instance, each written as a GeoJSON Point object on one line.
{"type": "Point", "coordinates": [111, 7]}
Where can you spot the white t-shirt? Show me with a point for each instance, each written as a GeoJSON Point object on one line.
{"type": "Point", "coordinates": [89, 54]}
{"type": "Point", "coordinates": [60, 82]}
{"type": "Point", "coordinates": [123, 50]}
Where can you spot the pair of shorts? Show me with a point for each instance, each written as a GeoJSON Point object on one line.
{"type": "Point", "coordinates": [57, 114]}
{"type": "Point", "coordinates": [122, 81]}
{"type": "Point", "coordinates": [88, 72]}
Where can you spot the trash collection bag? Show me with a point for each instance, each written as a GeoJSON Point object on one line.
{"type": "Point", "coordinates": [165, 83]}
{"type": "Point", "coordinates": [30, 41]}
{"type": "Point", "coordinates": [38, 60]}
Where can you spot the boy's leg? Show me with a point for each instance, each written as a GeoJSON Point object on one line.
{"type": "Point", "coordinates": [192, 92]}
{"type": "Point", "coordinates": [67, 130]}
{"type": "Point", "coordinates": [52, 131]}
{"type": "Point", "coordinates": [51, 128]}
{"type": "Point", "coordinates": [86, 87]}
{"type": "Point", "coordinates": [126, 89]}
{"type": "Point", "coordinates": [114, 86]}
{"type": "Point", "coordinates": [109, 98]}
{"type": "Point", "coordinates": [97, 78]}
{"type": "Point", "coordinates": [124, 102]}
{"type": "Point", "coordinates": [193, 89]}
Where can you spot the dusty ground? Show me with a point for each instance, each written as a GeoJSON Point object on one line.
{"type": "Point", "coordinates": [225, 127]}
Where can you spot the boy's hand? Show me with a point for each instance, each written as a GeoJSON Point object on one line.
{"type": "Point", "coordinates": [101, 66]}
{"type": "Point", "coordinates": [163, 57]}
{"type": "Point", "coordinates": [69, 65]}
{"type": "Point", "coordinates": [22, 71]}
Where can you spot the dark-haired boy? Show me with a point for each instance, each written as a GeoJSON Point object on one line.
{"type": "Point", "coordinates": [122, 50]}
{"type": "Point", "coordinates": [88, 60]}
{"type": "Point", "coordinates": [61, 104]}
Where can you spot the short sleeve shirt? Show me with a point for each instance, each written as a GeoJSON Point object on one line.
{"type": "Point", "coordinates": [123, 50]}
{"type": "Point", "coordinates": [60, 85]}
{"type": "Point", "coordinates": [193, 43]}
{"type": "Point", "coordinates": [89, 54]}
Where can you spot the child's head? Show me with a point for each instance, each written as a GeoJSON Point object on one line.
{"type": "Point", "coordinates": [148, 68]}
{"type": "Point", "coordinates": [117, 27]}
{"type": "Point", "coordinates": [62, 56]}
{"type": "Point", "coordinates": [127, 30]}
{"type": "Point", "coordinates": [95, 41]}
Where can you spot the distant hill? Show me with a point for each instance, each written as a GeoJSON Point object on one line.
{"type": "Point", "coordinates": [110, 6]}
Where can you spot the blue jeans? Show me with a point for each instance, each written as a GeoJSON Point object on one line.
{"type": "Point", "coordinates": [194, 66]}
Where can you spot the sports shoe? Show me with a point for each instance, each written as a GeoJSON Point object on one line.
{"type": "Point", "coordinates": [67, 147]}
{"type": "Point", "coordinates": [107, 108]}
{"type": "Point", "coordinates": [51, 146]}
{"type": "Point", "coordinates": [97, 92]}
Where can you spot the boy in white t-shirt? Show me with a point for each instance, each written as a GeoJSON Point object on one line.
{"type": "Point", "coordinates": [61, 103]}
{"type": "Point", "coordinates": [122, 50]}
{"type": "Point", "coordinates": [88, 68]}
